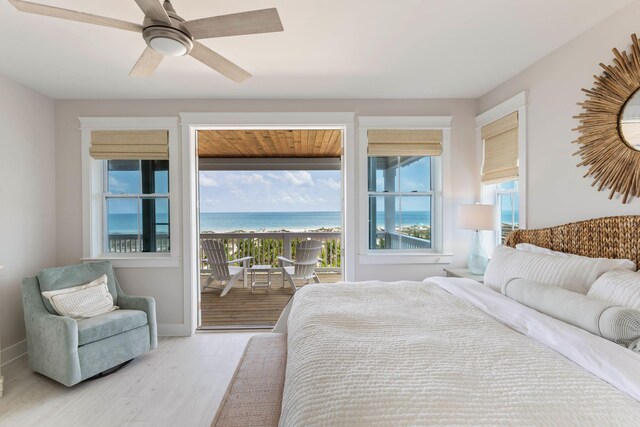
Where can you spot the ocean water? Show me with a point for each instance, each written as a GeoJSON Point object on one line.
{"type": "Point", "coordinates": [266, 221]}
{"type": "Point", "coordinates": [127, 223]}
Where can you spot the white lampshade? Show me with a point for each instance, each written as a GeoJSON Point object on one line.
{"type": "Point", "coordinates": [477, 217]}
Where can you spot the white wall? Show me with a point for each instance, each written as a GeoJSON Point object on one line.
{"type": "Point", "coordinates": [557, 192]}
{"type": "Point", "coordinates": [27, 201]}
{"type": "Point", "coordinates": [165, 284]}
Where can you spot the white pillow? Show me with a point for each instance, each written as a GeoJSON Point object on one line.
{"type": "Point", "coordinates": [620, 287]}
{"type": "Point", "coordinates": [84, 301]}
{"type": "Point", "coordinates": [576, 274]}
{"type": "Point", "coordinates": [614, 263]}
{"type": "Point", "coordinates": [603, 318]}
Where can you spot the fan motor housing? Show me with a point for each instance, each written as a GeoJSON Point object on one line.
{"type": "Point", "coordinates": [164, 31]}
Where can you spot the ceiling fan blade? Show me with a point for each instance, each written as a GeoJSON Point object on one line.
{"type": "Point", "coordinates": [147, 63]}
{"type": "Point", "coordinates": [218, 63]}
{"type": "Point", "coordinates": [236, 24]}
{"type": "Point", "coordinates": [72, 15]}
{"type": "Point", "coordinates": [153, 10]}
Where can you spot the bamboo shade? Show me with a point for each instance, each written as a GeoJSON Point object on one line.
{"type": "Point", "coordinates": [130, 145]}
{"type": "Point", "coordinates": [500, 150]}
{"type": "Point", "coordinates": [390, 142]}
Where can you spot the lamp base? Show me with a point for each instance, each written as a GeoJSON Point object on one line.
{"type": "Point", "coordinates": [477, 260]}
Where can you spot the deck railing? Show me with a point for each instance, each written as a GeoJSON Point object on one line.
{"type": "Point", "coordinates": [266, 247]}
{"type": "Point", "coordinates": [124, 243]}
{"type": "Point", "coordinates": [393, 240]}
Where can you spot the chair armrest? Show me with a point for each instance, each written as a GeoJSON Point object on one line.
{"type": "Point", "coordinates": [52, 340]}
{"type": "Point", "coordinates": [146, 304]}
{"type": "Point", "coordinates": [240, 260]}
{"type": "Point", "coordinates": [284, 260]}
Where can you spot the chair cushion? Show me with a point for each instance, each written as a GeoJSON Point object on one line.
{"type": "Point", "coordinates": [109, 324]}
{"type": "Point", "coordinates": [54, 279]}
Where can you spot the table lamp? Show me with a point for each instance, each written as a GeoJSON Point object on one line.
{"type": "Point", "coordinates": [477, 217]}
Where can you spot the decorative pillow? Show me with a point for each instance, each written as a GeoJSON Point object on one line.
{"type": "Point", "coordinates": [602, 318]}
{"type": "Point", "coordinates": [613, 263]}
{"type": "Point", "coordinates": [576, 274]}
{"type": "Point", "coordinates": [620, 287]}
{"type": "Point", "coordinates": [81, 302]}
{"type": "Point", "coordinates": [57, 278]}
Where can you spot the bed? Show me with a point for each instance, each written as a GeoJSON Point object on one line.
{"type": "Point", "coordinates": [450, 351]}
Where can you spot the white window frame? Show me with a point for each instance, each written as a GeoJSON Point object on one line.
{"type": "Point", "coordinates": [93, 187]}
{"type": "Point", "coordinates": [489, 193]}
{"type": "Point", "coordinates": [498, 192]}
{"type": "Point", "coordinates": [435, 171]}
{"type": "Point", "coordinates": [137, 196]}
{"type": "Point", "coordinates": [440, 252]}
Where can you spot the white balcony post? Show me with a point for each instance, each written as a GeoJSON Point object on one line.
{"type": "Point", "coordinates": [286, 245]}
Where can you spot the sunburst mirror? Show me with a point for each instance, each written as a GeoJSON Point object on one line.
{"type": "Point", "coordinates": [610, 126]}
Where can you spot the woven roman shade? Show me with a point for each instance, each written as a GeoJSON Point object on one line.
{"type": "Point", "coordinates": [130, 145]}
{"type": "Point", "coordinates": [390, 142]}
{"type": "Point", "coordinates": [500, 150]}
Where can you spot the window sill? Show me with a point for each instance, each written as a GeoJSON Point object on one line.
{"type": "Point", "coordinates": [137, 261]}
{"type": "Point", "coordinates": [405, 258]}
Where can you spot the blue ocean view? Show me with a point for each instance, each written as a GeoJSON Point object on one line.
{"type": "Point", "coordinates": [266, 221]}
{"type": "Point", "coordinates": [127, 223]}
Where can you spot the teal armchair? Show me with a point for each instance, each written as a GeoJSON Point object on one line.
{"type": "Point", "coordinates": [70, 351]}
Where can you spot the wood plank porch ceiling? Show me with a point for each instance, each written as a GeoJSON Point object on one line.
{"type": "Point", "coordinates": [286, 143]}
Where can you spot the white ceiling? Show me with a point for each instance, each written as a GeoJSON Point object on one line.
{"type": "Point", "coordinates": [329, 49]}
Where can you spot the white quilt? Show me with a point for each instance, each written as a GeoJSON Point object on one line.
{"type": "Point", "coordinates": [409, 353]}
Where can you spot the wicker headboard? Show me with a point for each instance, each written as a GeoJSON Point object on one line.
{"type": "Point", "coordinates": [609, 237]}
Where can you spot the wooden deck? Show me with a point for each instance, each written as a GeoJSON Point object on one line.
{"type": "Point", "coordinates": [241, 308]}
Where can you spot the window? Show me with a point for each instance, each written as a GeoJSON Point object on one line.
{"type": "Point", "coordinates": [404, 175]}
{"type": "Point", "coordinates": [502, 160]}
{"type": "Point", "coordinates": [401, 202]}
{"type": "Point", "coordinates": [130, 184]}
{"type": "Point", "coordinates": [508, 202]}
{"type": "Point", "coordinates": [136, 205]}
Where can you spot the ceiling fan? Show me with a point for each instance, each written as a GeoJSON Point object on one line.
{"type": "Point", "coordinates": [167, 34]}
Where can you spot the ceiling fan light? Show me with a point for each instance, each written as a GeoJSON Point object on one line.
{"type": "Point", "coordinates": [168, 46]}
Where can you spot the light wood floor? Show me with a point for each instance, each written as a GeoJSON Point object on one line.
{"type": "Point", "coordinates": [181, 383]}
{"type": "Point", "coordinates": [242, 308]}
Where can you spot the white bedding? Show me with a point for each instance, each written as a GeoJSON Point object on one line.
{"type": "Point", "coordinates": [410, 353]}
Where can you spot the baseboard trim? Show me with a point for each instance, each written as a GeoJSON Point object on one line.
{"type": "Point", "coordinates": [173, 330]}
{"type": "Point", "coordinates": [13, 352]}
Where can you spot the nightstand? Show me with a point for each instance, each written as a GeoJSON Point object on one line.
{"type": "Point", "coordinates": [464, 272]}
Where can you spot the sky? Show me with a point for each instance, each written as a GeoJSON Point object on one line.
{"type": "Point", "coordinates": [121, 182]}
{"type": "Point", "coordinates": [270, 191]}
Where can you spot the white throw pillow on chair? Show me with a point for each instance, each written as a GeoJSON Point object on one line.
{"type": "Point", "coordinates": [84, 301]}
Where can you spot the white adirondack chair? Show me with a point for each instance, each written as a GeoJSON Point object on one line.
{"type": "Point", "coordinates": [221, 269]}
{"type": "Point", "coordinates": [304, 266]}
